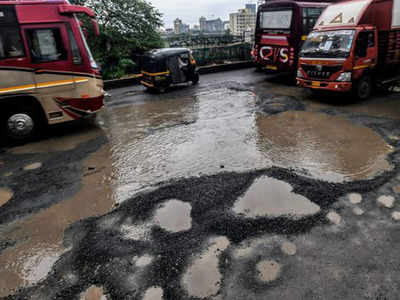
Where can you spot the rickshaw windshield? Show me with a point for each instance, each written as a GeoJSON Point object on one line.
{"type": "Point", "coordinates": [152, 65]}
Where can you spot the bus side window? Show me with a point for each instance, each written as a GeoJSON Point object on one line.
{"type": "Point", "coordinates": [76, 54]}
{"type": "Point", "coordinates": [310, 17]}
{"type": "Point", "coordinates": [11, 45]}
{"type": "Point", "coordinates": [46, 45]}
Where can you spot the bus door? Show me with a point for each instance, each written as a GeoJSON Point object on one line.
{"type": "Point", "coordinates": [49, 49]}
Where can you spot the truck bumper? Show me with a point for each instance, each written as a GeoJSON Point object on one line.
{"type": "Point", "coordinates": [325, 85]}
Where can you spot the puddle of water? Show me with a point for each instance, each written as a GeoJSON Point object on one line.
{"type": "Point", "coordinates": [289, 248]}
{"type": "Point", "coordinates": [203, 278]}
{"type": "Point", "coordinates": [358, 211]}
{"type": "Point", "coordinates": [93, 293]}
{"type": "Point", "coordinates": [268, 270]}
{"type": "Point", "coordinates": [386, 201]}
{"type": "Point", "coordinates": [269, 197]}
{"type": "Point", "coordinates": [174, 216]}
{"type": "Point", "coordinates": [154, 293]}
{"type": "Point", "coordinates": [355, 198]}
{"type": "Point", "coordinates": [33, 166]}
{"type": "Point", "coordinates": [334, 218]}
{"type": "Point", "coordinates": [396, 215]}
{"type": "Point", "coordinates": [59, 143]}
{"type": "Point", "coordinates": [144, 261]}
{"type": "Point", "coordinates": [42, 234]}
{"type": "Point", "coordinates": [5, 196]}
{"type": "Point", "coordinates": [328, 147]}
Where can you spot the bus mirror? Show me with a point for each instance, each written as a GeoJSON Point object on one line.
{"type": "Point", "coordinates": [96, 27]}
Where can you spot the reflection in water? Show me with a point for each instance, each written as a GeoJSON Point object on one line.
{"type": "Point", "coordinates": [273, 198]}
{"type": "Point", "coordinates": [203, 278]}
{"type": "Point", "coordinates": [174, 216]}
{"type": "Point", "coordinates": [5, 196]}
{"type": "Point", "coordinates": [329, 147]}
{"type": "Point", "coordinates": [42, 234]}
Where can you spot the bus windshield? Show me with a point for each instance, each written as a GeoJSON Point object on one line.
{"type": "Point", "coordinates": [276, 19]}
{"type": "Point", "coordinates": [328, 44]}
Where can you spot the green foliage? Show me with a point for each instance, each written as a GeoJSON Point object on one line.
{"type": "Point", "coordinates": [126, 27]}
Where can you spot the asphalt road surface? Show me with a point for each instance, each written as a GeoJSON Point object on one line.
{"type": "Point", "coordinates": [242, 187]}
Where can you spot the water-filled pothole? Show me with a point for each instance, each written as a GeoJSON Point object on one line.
{"type": "Point", "coordinates": [329, 147]}
{"type": "Point", "coordinates": [5, 196]}
{"type": "Point", "coordinates": [269, 197]}
{"type": "Point", "coordinates": [203, 277]}
{"type": "Point", "coordinates": [174, 216]}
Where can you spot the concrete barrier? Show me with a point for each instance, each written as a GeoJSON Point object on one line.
{"type": "Point", "coordinates": [135, 79]}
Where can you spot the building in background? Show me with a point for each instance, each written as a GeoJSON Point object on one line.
{"type": "Point", "coordinates": [252, 8]}
{"type": "Point", "coordinates": [243, 21]}
{"type": "Point", "coordinates": [211, 26]}
{"type": "Point", "coordinates": [180, 27]}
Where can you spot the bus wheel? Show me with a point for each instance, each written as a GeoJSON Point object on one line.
{"type": "Point", "coordinates": [21, 125]}
{"type": "Point", "coordinates": [363, 88]}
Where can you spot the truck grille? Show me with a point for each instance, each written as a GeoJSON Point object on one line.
{"type": "Point", "coordinates": [320, 72]}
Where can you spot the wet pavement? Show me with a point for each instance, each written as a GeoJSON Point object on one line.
{"type": "Point", "coordinates": [243, 187]}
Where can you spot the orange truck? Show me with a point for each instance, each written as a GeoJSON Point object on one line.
{"type": "Point", "coordinates": [354, 47]}
{"type": "Point", "coordinates": [47, 72]}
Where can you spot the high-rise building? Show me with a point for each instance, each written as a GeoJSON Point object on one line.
{"type": "Point", "coordinates": [242, 21]}
{"type": "Point", "coordinates": [215, 25]}
{"type": "Point", "coordinates": [252, 8]}
{"type": "Point", "coordinates": [180, 27]}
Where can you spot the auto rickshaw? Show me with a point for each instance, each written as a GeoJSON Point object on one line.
{"type": "Point", "coordinates": [162, 68]}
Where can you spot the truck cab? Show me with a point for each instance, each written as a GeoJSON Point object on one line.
{"type": "Point", "coordinates": [353, 48]}
{"type": "Point", "coordinates": [340, 59]}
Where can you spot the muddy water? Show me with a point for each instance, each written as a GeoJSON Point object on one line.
{"type": "Point", "coordinates": [157, 140]}
{"type": "Point", "coordinates": [203, 277]}
{"type": "Point", "coordinates": [328, 147]}
{"type": "Point", "coordinates": [5, 196]}
{"type": "Point", "coordinates": [154, 293]}
{"type": "Point", "coordinates": [269, 197]}
{"type": "Point", "coordinates": [40, 237]}
{"type": "Point", "coordinates": [174, 216]}
{"type": "Point", "coordinates": [268, 270]}
{"type": "Point", "coordinates": [93, 293]}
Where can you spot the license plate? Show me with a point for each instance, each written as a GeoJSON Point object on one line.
{"type": "Point", "coordinates": [315, 83]}
{"type": "Point", "coordinates": [269, 67]}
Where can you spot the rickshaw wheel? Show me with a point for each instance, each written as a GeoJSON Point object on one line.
{"type": "Point", "coordinates": [196, 78]}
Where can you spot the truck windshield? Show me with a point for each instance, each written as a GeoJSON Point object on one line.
{"type": "Point", "coordinates": [328, 44]}
{"type": "Point", "coordinates": [276, 19]}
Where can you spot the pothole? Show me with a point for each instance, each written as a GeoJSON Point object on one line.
{"type": "Point", "coordinates": [174, 216]}
{"type": "Point", "coordinates": [154, 293]}
{"type": "Point", "coordinates": [5, 196]}
{"type": "Point", "coordinates": [33, 166]}
{"type": "Point", "coordinates": [269, 197]}
{"type": "Point", "coordinates": [93, 293]}
{"type": "Point", "coordinates": [329, 147]}
{"type": "Point", "coordinates": [268, 270]}
{"type": "Point", "coordinates": [203, 278]}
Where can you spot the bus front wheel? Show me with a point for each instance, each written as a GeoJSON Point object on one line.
{"type": "Point", "coordinates": [20, 125]}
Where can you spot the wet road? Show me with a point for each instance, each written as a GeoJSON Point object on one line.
{"type": "Point", "coordinates": [243, 187]}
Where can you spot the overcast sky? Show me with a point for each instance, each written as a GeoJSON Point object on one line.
{"type": "Point", "coordinates": [191, 11]}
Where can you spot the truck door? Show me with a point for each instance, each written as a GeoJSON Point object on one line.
{"type": "Point", "coordinates": [49, 57]}
{"type": "Point", "coordinates": [365, 52]}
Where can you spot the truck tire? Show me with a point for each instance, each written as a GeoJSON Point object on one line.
{"type": "Point", "coordinates": [363, 88]}
{"type": "Point", "coordinates": [20, 125]}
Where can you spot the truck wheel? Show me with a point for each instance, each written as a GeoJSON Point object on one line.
{"type": "Point", "coordinates": [20, 125]}
{"type": "Point", "coordinates": [363, 88]}
{"type": "Point", "coordinates": [196, 78]}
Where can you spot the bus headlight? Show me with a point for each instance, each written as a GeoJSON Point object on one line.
{"type": "Point", "coordinates": [344, 77]}
{"type": "Point", "coordinates": [299, 74]}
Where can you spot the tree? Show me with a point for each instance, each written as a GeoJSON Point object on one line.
{"type": "Point", "coordinates": [126, 26]}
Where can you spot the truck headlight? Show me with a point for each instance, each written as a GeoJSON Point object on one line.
{"type": "Point", "coordinates": [299, 74]}
{"type": "Point", "coordinates": [344, 77]}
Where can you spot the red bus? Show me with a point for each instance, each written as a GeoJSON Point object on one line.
{"type": "Point", "coordinates": [47, 72]}
{"type": "Point", "coordinates": [281, 29]}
